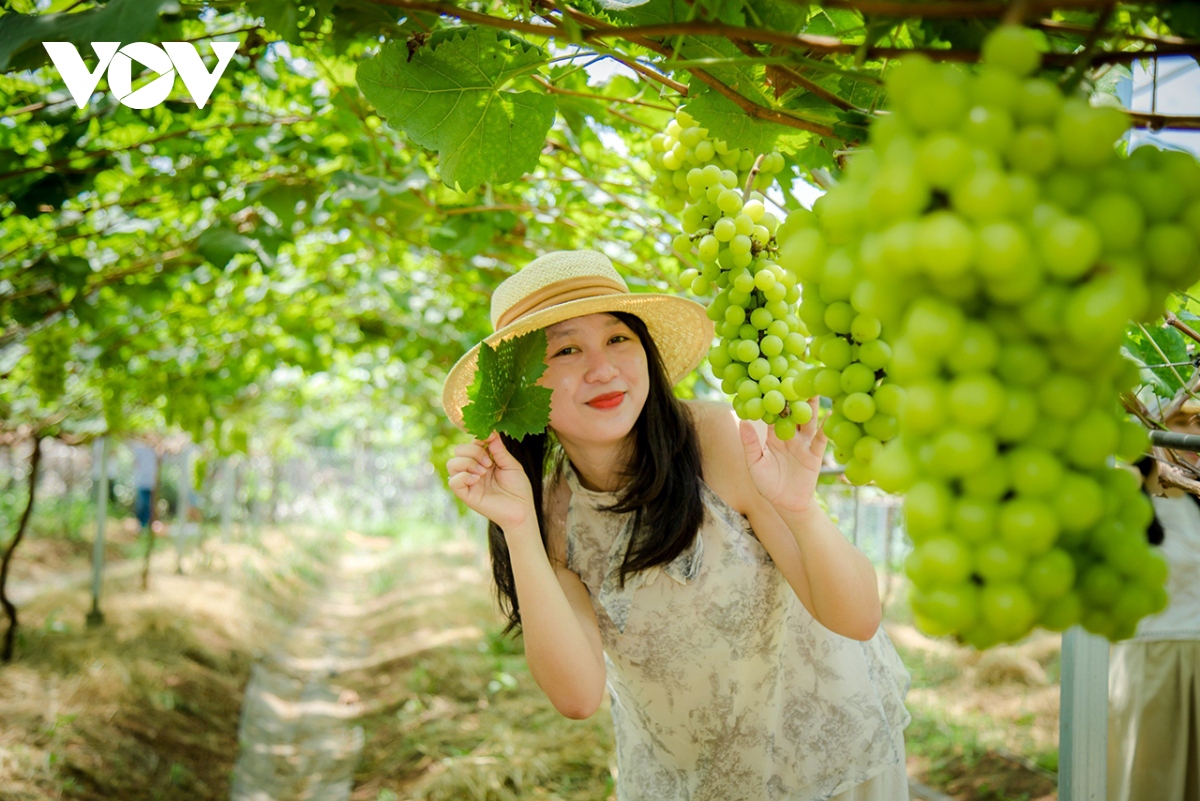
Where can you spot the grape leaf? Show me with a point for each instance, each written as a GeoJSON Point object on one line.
{"type": "Point", "coordinates": [446, 96]}
{"type": "Point", "coordinates": [21, 35]}
{"type": "Point", "coordinates": [219, 245]}
{"type": "Point", "coordinates": [778, 15]}
{"type": "Point", "coordinates": [1162, 346]}
{"type": "Point", "coordinates": [725, 120]}
{"type": "Point", "coordinates": [505, 396]}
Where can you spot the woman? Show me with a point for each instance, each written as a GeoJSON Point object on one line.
{"type": "Point", "coordinates": [755, 668]}
{"type": "Point", "coordinates": [1154, 678]}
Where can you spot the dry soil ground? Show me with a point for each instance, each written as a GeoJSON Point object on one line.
{"type": "Point", "coordinates": [147, 706]}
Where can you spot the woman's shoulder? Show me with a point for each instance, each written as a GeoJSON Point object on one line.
{"type": "Point", "coordinates": [722, 455]}
{"type": "Point", "coordinates": [709, 416]}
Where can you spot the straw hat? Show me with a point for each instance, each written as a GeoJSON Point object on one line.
{"type": "Point", "coordinates": [574, 283]}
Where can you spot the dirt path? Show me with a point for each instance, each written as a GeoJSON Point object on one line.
{"type": "Point", "coordinates": [298, 735]}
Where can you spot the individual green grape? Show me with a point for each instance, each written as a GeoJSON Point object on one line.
{"type": "Point", "coordinates": [774, 401]}
{"type": "Point", "coordinates": [801, 413]}
{"type": "Point", "coordinates": [859, 407]}
{"type": "Point", "coordinates": [785, 429]}
{"type": "Point", "coordinates": [857, 378]}
{"type": "Point", "coordinates": [759, 368]}
{"type": "Point", "coordinates": [1013, 48]}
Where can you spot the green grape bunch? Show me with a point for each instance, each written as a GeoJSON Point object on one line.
{"type": "Point", "coordinates": [994, 244]}
{"type": "Point", "coordinates": [685, 145]}
{"type": "Point", "coordinates": [849, 352]}
{"type": "Point", "coordinates": [49, 352]}
{"type": "Point", "coordinates": [731, 235]}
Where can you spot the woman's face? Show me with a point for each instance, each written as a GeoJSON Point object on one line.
{"type": "Point", "coordinates": [596, 367]}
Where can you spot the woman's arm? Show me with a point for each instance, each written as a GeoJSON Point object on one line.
{"type": "Point", "coordinates": [832, 578]}
{"type": "Point", "coordinates": [562, 636]}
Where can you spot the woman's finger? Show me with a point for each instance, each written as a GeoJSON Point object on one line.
{"type": "Point", "coordinates": [465, 464]}
{"type": "Point", "coordinates": [473, 450]}
{"type": "Point", "coordinates": [810, 428]}
{"type": "Point", "coordinates": [750, 444]}
{"type": "Point", "coordinates": [504, 460]}
{"type": "Point", "coordinates": [819, 441]}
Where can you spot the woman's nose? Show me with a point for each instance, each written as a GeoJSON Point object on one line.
{"type": "Point", "coordinates": [601, 367]}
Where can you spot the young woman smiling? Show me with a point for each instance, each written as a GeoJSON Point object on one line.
{"type": "Point", "coordinates": [667, 553]}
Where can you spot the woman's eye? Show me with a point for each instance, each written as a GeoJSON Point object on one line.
{"type": "Point", "coordinates": [570, 349]}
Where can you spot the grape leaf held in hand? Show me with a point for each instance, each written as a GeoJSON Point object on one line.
{"type": "Point", "coordinates": [505, 396]}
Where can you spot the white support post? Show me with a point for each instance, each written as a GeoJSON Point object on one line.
{"type": "Point", "coordinates": [1083, 717]}
{"type": "Point", "coordinates": [229, 486]}
{"type": "Point", "coordinates": [258, 502]}
{"type": "Point", "coordinates": [100, 466]}
{"type": "Point", "coordinates": [185, 503]}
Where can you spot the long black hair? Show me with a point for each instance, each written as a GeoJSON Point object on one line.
{"type": "Point", "coordinates": [662, 481]}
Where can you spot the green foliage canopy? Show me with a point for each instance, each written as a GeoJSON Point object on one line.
{"type": "Point", "coordinates": [366, 172]}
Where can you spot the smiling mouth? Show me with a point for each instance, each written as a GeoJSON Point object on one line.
{"type": "Point", "coordinates": [609, 401]}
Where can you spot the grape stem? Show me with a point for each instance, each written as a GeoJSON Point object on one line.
{"type": "Point", "coordinates": [795, 77]}
{"type": "Point", "coordinates": [1188, 391]}
{"type": "Point", "coordinates": [1171, 475]}
{"type": "Point", "coordinates": [1183, 327]}
{"type": "Point", "coordinates": [1134, 406]}
{"type": "Point", "coordinates": [1067, 27]}
{"type": "Point", "coordinates": [949, 8]}
{"type": "Point", "coordinates": [1159, 122]}
{"type": "Point", "coordinates": [1075, 74]}
{"type": "Point", "coordinates": [559, 91]}
{"type": "Point", "coordinates": [822, 178]}
{"type": "Point", "coordinates": [751, 176]}
{"type": "Point", "coordinates": [1015, 13]}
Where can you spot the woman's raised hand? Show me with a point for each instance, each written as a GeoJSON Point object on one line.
{"type": "Point", "coordinates": [785, 473]}
{"type": "Point", "coordinates": [486, 477]}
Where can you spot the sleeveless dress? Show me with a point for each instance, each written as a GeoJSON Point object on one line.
{"type": "Point", "coordinates": [723, 686]}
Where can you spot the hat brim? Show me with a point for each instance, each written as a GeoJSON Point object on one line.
{"type": "Point", "coordinates": [680, 328]}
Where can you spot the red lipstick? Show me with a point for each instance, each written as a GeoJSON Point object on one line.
{"type": "Point", "coordinates": [609, 401]}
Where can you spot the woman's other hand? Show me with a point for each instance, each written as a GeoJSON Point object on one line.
{"type": "Point", "coordinates": [785, 473]}
{"type": "Point", "coordinates": [486, 477]}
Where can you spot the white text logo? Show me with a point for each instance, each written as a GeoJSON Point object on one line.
{"type": "Point", "coordinates": [178, 56]}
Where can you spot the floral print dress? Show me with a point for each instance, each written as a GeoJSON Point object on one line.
{"type": "Point", "coordinates": [723, 686]}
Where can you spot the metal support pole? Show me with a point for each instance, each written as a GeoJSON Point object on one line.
{"type": "Point", "coordinates": [1178, 442]}
{"type": "Point", "coordinates": [1083, 717]}
{"type": "Point", "coordinates": [100, 465]}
